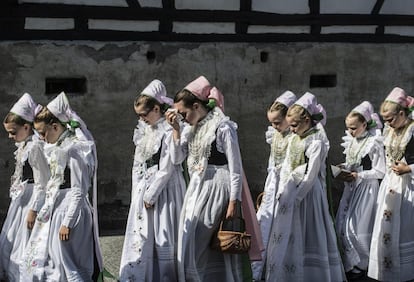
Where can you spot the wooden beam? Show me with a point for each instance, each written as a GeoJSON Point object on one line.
{"type": "Point", "coordinates": [242, 26]}
{"type": "Point", "coordinates": [252, 17]}
{"type": "Point", "coordinates": [133, 3]}
{"type": "Point", "coordinates": [314, 8]}
{"type": "Point", "coordinates": [377, 7]}
{"type": "Point", "coordinates": [375, 11]}
{"type": "Point", "coordinates": [166, 24]}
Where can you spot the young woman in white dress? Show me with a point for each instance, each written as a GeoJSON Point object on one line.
{"type": "Point", "coordinates": [303, 243]}
{"type": "Point", "coordinates": [27, 186]}
{"type": "Point", "coordinates": [64, 242]}
{"type": "Point", "coordinates": [277, 136]}
{"type": "Point", "coordinates": [392, 246]}
{"type": "Point", "coordinates": [364, 151]}
{"type": "Point", "coordinates": [158, 188]}
{"type": "Point", "coordinates": [211, 146]}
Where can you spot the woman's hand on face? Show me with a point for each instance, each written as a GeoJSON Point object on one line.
{"type": "Point", "coordinates": [171, 116]}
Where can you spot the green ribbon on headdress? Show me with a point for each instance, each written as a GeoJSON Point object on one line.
{"type": "Point", "coordinates": [165, 107]}
{"type": "Point", "coordinates": [211, 103]}
{"type": "Point", "coordinates": [73, 124]}
{"type": "Point", "coordinates": [411, 109]}
{"type": "Point", "coordinates": [317, 117]}
{"type": "Point", "coordinates": [372, 124]}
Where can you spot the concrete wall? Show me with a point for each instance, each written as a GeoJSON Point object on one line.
{"type": "Point", "coordinates": [250, 76]}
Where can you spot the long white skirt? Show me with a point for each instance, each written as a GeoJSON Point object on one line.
{"type": "Point", "coordinates": [265, 215]}
{"type": "Point", "coordinates": [15, 234]}
{"type": "Point", "coordinates": [355, 221]}
{"type": "Point", "coordinates": [150, 247]}
{"type": "Point", "coordinates": [392, 251]}
{"type": "Point", "coordinates": [204, 206]}
{"type": "Point", "coordinates": [71, 260]}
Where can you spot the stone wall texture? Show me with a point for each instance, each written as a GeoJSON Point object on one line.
{"type": "Point", "coordinates": [250, 76]}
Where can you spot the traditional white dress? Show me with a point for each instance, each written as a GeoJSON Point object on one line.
{"type": "Point", "coordinates": [72, 166]}
{"type": "Point", "coordinates": [150, 247]}
{"type": "Point", "coordinates": [392, 246]}
{"type": "Point", "coordinates": [215, 170]}
{"type": "Point", "coordinates": [303, 246]}
{"type": "Point", "coordinates": [26, 192]}
{"type": "Point", "coordinates": [357, 208]}
{"type": "Point", "coordinates": [278, 146]}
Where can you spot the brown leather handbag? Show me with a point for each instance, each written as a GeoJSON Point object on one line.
{"type": "Point", "coordinates": [231, 237]}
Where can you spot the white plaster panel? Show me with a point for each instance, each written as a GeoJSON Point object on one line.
{"type": "Point", "coordinates": [232, 5]}
{"type": "Point", "coordinates": [400, 30]}
{"type": "Point", "coordinates": [204, 28]}
{"type": "Point", "coordinates": [49, 23]}
{"type": "Point", "coordinates": [349, 29]}
{"type": "Point", "coordinates": [398, 7]}
{"type": "Point", "coordinates": [150, 3]}
{"type": "Point", "coordinates": [124, 25]}
{"type": "Point", "coordinates": [278, 29]}
{"type": "Point", "coordinates": [281, 6]}
{"type": "Point", "coordinates": [116, 3]}
{"type": "Point", "coordinates": [347, 7]}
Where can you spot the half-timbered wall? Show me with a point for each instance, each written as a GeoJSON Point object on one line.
{"type": "Point", "coordinates": [214, 20]}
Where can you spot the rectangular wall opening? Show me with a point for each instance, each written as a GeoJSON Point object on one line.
{"type": "Point", "coordinates": [70, 85]}
{"type": "Point", "coordinates": [322, 81]}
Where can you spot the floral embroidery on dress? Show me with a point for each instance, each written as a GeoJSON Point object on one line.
{"type": "Point", "coordinates": [387, 262]}
{"type": "Point", "coordinates": [289, 268]}
{"type": "Point", "coordinates": [387, 215]}
{"type": "Point", "coordinates": [278, 148]}
{"type": "Point", "coordinates": [277, 238]}
{"type": "Point", "coordinates": [202, 136]}
{"type": "Point", "coordinates": [386, 238]}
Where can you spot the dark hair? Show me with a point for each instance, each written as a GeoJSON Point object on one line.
{"type": "Point", "coordinates": [149, 103]}
{"type": "Point", "coordinates": [13, 118]}
{"type": "Point", "coordinates": [47, 117]}
{"type": "Point", "coordinates": [189, 99]}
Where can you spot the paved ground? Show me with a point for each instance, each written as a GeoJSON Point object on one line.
{"type": "Point", "coordinates": [111, 246]}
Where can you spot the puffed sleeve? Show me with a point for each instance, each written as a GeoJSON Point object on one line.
{"type": "Point", "coordinates": [316, 155]}
{"type": "Point", "coordinates": [179, 148]}
{"type": "Point", "coordinates": [162, 176]}
{"type": "Point", "coordinates": [228, 143]}
{"type": "Point", "coordinates": [80, 180]}
{"type": "Point", "coordinates": [41, 174]}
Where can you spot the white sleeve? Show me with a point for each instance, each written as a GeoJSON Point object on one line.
{"type": "Point", "coordinates": [179, 148]}
{"type": "Point", "coordinates": [228, 143]}
{"type": "Point", "coordinates": [162, 176]}
{"type": "Point", "coordinates": [316, 154]}
{"type": "Point", "coordinates": [80, 180]}
{"type": "Point", "coordinates": [41, 174]}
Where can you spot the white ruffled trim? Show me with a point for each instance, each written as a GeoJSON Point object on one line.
{"type": "Point", "coordinates": [372, 142]}
{"type": "Point", "coordinates": [269, 134]}
{"type": "Point", "coordinates": [149, 136]}
{"type": "Point", "coordinates": [204, 133]}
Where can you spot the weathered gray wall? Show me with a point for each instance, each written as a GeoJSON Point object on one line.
{"type": "Point", "coordinates": [116, 72]}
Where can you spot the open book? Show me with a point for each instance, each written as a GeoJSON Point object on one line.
{"type": "Point", "coordinates": [340, 173]}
